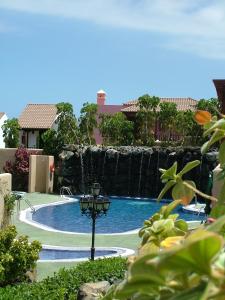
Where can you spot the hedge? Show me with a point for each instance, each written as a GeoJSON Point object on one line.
{"type": "Point", "coordinates": [65, 283]}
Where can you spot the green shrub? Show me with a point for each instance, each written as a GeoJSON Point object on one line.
{"type": "Point", "coordinates": [65, 283]}
{"type": "Point", "coordinates": [17, 256]}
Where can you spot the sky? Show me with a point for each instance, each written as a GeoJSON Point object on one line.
{"type": "Point", "coordinates": [67, 50]}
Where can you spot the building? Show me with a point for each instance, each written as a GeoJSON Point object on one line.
{"type": "Point", "coordinates": [130, 109]}
{"type": "Point", "coordinates": [3, 118]}
{"type": "Point", "coordinates": [34, 120]}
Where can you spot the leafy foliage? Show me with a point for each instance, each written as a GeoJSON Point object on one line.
{"type": "Point", "coordinates": [146, 118]}
{"type": "Point", "coordinates": [19, 169]}
{"type": "Point", "coordinates": [11, 133]}
{"type": "Point", "coordinates": [66, 133]}
{"type": "Point", "coordinates": [160, 226]}
{"type": "Point", "coordinates": [17, 256]}
{"type": "Point", "coordinates": [211, 105]}
{"type": "Point", "coordinates": [173, 263]}
{"type": "Point", "coordinates": [167, 117]}
{"type": "Point", "coordinates": [64, 284]}
{"type": "Point", "coordinates": [116, 129]}
{"type": "Point", "coordinates": [9, 204]}
{"type": "Point", "coordinates": [88, 122]}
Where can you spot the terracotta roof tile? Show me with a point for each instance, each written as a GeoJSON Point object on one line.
{"type": "Point", "coordinates": [182, 104]}
{"type": "Point", "coordinates": [1, 114]}
{"type": "Point", "coordinates": [38, 116]}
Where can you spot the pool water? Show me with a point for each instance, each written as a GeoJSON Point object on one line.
{"type": "Point", "coordinates": [54, 254]}
{"type": "Point", "coordinates": [123, 215]}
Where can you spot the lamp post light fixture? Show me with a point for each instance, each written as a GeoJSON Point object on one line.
{"type": "Point", "coordinates": [94, 207]}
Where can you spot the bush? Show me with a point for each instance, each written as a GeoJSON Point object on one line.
{"type": "Point", "coordinates": [19, 169]}
{"type": "Point", "coordinates": [65, 283]}
{"type": "Point", "coordinates": [17, 256]}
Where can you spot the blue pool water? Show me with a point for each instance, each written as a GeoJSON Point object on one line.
{"type": "Point", "coordinates": [52, 254]}
{"type": "Point", "coordinates": [123, 215]}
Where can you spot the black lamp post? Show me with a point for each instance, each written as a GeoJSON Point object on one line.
{"type": "Point", "coordinates": [94, 207]}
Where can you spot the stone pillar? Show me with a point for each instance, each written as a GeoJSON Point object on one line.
{"type": "Point", "coordinates": [5, 188]}
{"type": "Point", "coordinates": [40, 174]}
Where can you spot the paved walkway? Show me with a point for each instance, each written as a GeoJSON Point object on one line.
{"type": "Point", "coordinates": [54, 238]}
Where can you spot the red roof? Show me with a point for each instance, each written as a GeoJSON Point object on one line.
{"type": "Point", "coordinates": [182, 104]}
{"type": "Point", "coordinates": [1, 114]}
{"type": "Point", "coordinates": [109, 109]}
{"type": "Point", "coordinates": [38, 116]}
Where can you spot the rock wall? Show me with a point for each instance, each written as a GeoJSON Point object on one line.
{"type": "Point", "coordinates": [129, 171]}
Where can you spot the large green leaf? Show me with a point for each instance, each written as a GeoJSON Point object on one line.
{"type": "Point", "coordinates": [217, 136]}
{"type": "Point", "coordinates": [183, 193]}
{"type": "Point", "coordinates": [217, 211]}
{"type": "Point", "coordinates": [162, 226]}
{"type": "Point", "coordinates": [170, 173]}
{"type": "Point", "coordinates": [219, 124]}
{"type": "Point", "coordinates": [217, 225]}
{"type": "Point", "coordinates": [194, 255]}
{"type": "Point", "coordinates": [221, 197]}
{"type": "Point", "coordinates": [222, 154]}
{"type": "Point", "coordinates": [166, 188]}
{"type": "Point", "coordinates": [189, 166]}
{"type": "Point", "coordinates": [170, 207]}
{"type": "Point", "coordinates": [182, 225]}
{"type": "Point", "coordinates": [189, 294]}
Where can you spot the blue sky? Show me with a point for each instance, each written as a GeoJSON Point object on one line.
{"type": "Point", "coordinates": [54, 50]}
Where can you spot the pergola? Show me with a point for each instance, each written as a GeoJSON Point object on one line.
{"type": "Point", "coordinates": [220, 89]}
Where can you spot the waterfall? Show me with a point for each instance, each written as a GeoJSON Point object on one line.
{"type": "Point", "coordinates": [129, 172]}
{"type": "Point", "coordinates": [82, 172]}
{"type": "Point", "coordinates": [116, 167]}
{"type": "Point", "coordinates": [103, 169]}
{"type": "Point", "coordinates": [140, 173]}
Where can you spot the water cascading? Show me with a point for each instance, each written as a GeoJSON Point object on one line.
{"type": "Point", "coordinates": [82, 172]}
{"type": "Point", "coordinates": [140, 173]}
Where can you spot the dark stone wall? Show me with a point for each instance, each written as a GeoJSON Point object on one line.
{"type": "Point", "coordinates": [129, 171]}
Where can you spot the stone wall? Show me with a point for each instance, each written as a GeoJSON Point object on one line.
{"type": "Point", "coordinates": [5, 188]}
{"type": "Point", "coordinates": [9, 154]}
{"type": "Point", "coordinates": [129, 171]}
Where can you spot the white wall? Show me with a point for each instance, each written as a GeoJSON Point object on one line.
{"type": "Point", "coordinates": [2, 120]}
{"type": "Point", "coordinates": [32, 139]}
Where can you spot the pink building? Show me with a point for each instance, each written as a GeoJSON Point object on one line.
{"type": "Point", "coordinates": [131, 107]}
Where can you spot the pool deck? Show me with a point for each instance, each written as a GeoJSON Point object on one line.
{"type": "Point", "coordinates": [61, 239]}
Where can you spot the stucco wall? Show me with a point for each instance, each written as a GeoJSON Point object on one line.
{"type": "Point", "coordinates": [2, 120]}
{"type": "Point", "coordinates": [40, 177]}
{"type": "Point", "coordinates": [5, 188]}
{"type": "Point", "coordinates": [9, 154]}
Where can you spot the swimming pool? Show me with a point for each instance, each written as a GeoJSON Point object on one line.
{"type": "Point", "coordinates": [124, 215]}
{"type": "Point", "coordinates": [67, 254]}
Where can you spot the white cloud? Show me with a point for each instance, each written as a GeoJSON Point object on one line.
{"type": "Point", "coordinates": [190, 25]}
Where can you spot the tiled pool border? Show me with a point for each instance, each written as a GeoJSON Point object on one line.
{"type": "Point", "coordinates": [122, 252]}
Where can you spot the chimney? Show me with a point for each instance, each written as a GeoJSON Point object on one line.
{"type": "Point", "coordinates": [101, 97]}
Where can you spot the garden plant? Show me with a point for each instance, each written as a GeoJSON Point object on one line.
{"type": "Point", "coordinates": [173, 262]}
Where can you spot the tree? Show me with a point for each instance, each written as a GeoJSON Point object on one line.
{"type": "Point", "coordinates": [66, 133]}
{"type": "Point", "coordinates": [116, 129]}
{"type": "Point", "coordinates": [188, 128]}
{"type": "Point", "coordinates": [167, 117]}
{"type": "Point", "coordinates": [88, 122]}
{"type": "Point", "coordinates": [211, 105]}
{"type": "Point", "coordinates": [11, 133]}
{"type": "Point", "coordinates": [146, 117]}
